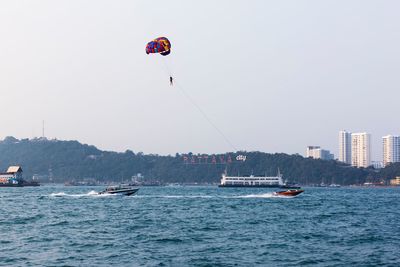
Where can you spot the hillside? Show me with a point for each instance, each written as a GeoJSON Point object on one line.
{"type": "Point", "coordinates": [71, 160]}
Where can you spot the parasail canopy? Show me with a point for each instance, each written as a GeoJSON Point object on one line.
{"type": "Point", "coordinates": [160, 45]}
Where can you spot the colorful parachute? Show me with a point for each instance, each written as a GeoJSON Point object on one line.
{"type": "Point", "coordinates": [160, 45]}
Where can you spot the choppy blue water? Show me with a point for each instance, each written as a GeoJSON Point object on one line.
{"type": "Point", "coordinates": [199, 226]}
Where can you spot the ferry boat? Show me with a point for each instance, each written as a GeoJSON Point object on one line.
{"type": "Point", "coordinates": [253, 181]}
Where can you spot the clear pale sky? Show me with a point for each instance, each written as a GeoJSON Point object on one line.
{"type": "Point", "coordinates": [274, 76]}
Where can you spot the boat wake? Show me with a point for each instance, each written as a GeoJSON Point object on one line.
{"type": "Point", "coordinates": [264, 195]}
{"type": "Point", "coordinates": [175, 196]}
{"type": "Point", "coordinates": [89, 194]}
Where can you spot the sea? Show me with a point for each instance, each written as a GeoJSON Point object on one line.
{"type": "Point", "coordinates": [54, 225]}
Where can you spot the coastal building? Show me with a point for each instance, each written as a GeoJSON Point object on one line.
{"type": "Point", "coordinates": [345, 147]}
{"type": "Point", "coordinates": [360, 150]}
{"type": "Point", "coordinates": [13, 176]}
{"type": "Point", "coordinates": [317, 152]}
{"type": "Point", "coordinates": [395, 181]}
{"type": "Point", "coordinates": [391, 149]}
{"type": "Point", "coordinates": [377, 164]}
{"type": "Point", "coordinates": [311, 151]}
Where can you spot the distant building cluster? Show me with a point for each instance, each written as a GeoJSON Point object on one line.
{"type": "Point", "coordinates": [317, 152]}
{"type": "Point", "coordinates": [355, 149]}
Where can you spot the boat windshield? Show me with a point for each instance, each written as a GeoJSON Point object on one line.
{"type": "Point", "coordinates": [117, 187]}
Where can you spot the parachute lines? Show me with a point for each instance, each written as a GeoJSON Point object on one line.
{"type": "Point", "coordinates": [205, 116]}
{"type": "Point", "coordinates": [162, 45]}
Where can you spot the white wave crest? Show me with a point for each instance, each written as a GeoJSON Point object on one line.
{"type": "Point", "coordinates": [60, 194]}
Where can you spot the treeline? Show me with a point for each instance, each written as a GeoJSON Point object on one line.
{"type": "Point", "coordinates": [70, 160]}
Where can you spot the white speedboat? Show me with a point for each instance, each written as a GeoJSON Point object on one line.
{"type": "Point", "coordinates": [125, 190]}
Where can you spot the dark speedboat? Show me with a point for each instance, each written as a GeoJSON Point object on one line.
{"type": "Point", "coordinates": [289, 193]}
{"type": "Point", "coordinates": [125, 190]}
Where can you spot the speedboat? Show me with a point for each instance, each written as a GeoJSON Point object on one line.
{"type": "Point", "coordinates": [125, 190]}
{"type": "Point", "coordinates": [289, 193]}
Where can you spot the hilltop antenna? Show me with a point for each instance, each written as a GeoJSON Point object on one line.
{"type": "Point", "coordinates": [43, 129]}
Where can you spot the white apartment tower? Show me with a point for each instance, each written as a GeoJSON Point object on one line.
{"type": "Point", "coordinates": [345, 147]}
{"type": "Point", "coordinates": [391, 149]}
{"type": "Point", "coordinates": [360, 150]}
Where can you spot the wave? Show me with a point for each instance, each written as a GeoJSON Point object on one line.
{"type": "Point", "coordinates": [96, 194]}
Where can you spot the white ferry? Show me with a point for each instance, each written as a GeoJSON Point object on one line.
{"type": "Point", "coordinates": [252, 181]}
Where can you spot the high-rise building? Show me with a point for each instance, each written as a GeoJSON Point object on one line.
{"type": "Point", "coordinates": [391, 149]}
{"type": "Point", "coordinates": [360, 150]}
{"type": "Point", "coordinates": [345, 147]}
{"type": "Point", "coordinates": [317, 153]}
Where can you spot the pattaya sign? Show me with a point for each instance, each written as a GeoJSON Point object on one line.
{"type": "Point", "coordinates": [212, 159]}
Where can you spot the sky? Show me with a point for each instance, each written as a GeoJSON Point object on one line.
{"type": "Point", "coordinates": [271, 76]}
